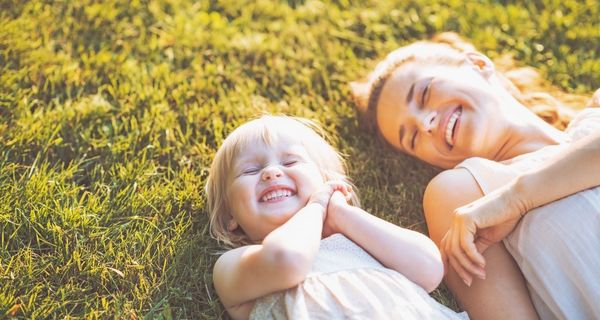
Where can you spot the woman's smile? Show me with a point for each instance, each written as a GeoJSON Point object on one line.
{"type": "Point", "coordinates": [452, 122]}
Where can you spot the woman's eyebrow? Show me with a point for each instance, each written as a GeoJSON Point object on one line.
{"type": "Point", "coordinates": [411, 91]}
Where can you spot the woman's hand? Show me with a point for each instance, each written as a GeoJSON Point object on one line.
{"type": "Point", "coordinates": [477, 226]}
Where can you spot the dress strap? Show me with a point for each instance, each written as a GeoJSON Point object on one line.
{"type": "Point", "coordinates": [488, 174]}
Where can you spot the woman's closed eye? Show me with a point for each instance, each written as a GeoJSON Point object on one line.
{"type": "Point", "coordinates": [413, 140]}
{"type": "Point", "coordinates": [424, 95]}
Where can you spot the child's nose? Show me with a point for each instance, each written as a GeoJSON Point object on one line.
{"type": "Point", "coordinates": [271, 172]}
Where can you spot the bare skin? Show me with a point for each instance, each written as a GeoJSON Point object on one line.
{"type": "Point", "coordinates": [510, 298]}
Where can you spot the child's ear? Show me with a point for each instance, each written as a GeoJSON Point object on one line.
{"type": "Point", "coordinates": [232, 224]}
{"type": "Point", "coordinates": [481, 63]}
{"type": "Point", "coordinates": [360, 95]}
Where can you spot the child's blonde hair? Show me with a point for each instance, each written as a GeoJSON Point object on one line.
{"type": "Point", "coordinates": [448, 48]}
{"type": "Point", "coordinates": [265, 129]}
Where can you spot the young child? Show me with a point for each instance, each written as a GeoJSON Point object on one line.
{"type": "Point", "coordinates": [278, 193]}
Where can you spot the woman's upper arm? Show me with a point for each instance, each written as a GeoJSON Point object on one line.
{"type": "Point", "coordinates": [445, 192]}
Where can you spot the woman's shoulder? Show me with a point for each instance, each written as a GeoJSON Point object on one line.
{"type": "Point", "coordinates": [449, 190]}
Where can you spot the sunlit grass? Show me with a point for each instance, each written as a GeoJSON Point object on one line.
{"type": "Point", "coordinates": [110, 114]}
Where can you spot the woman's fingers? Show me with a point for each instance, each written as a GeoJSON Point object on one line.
{"type": "Point", "coordinates": [457, 248]}
{"type": "Point", "coordinates": [459, 255]}
{"type": "Point", "coordinates": [468, 230]}
{"type": "Point", "coordinates": [450, 259]}
{"type": "Point", "coordinates": [462, 273]}
{"type": "Point", "coordinates": [470, 258]}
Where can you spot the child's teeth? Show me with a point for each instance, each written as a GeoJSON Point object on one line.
{"type": "Point", "coordinates": [276, 195]}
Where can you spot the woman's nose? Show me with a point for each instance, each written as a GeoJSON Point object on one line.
{"type": "Point", "coordinates": [426, 121]}
{"type": "Point", "coordinates": [271, 172]}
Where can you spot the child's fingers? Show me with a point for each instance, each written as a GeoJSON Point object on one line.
{"type": "Point", "coordinates": [341, 186]}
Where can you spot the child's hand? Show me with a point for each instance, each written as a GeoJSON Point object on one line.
{"type": "Point", "coordinates": [324, 194]}
{"type": "Point", "coordinates": [334, 212]}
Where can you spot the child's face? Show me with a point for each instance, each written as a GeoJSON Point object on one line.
{"type": "Point", "coordinates": [270, 183]}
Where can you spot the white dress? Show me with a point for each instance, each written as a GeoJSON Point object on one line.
{"type": "Point", "coordinates": [345, 282]}
{"type": "Point", "coordinates": [557, 246]}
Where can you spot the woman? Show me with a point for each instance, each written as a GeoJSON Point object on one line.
{"type": "Point", "coordinates": [446, 104]}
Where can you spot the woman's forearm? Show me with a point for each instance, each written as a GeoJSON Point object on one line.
{"type": "Point", "coordinates": [576, 169]}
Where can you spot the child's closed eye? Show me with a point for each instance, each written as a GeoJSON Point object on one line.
{"type": "Point", "coordinates": [250, 171]}
{"type": "Point", "coordinates": [289, 163]}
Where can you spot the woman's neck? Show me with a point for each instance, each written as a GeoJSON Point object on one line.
{"type": "Point", "coordinates": [529, 133]}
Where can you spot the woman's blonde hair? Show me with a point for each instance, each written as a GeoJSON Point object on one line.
{"type": "Point", "coordinates": [266, 130]}
{"type": "Point", "coordinates": [524, 83]}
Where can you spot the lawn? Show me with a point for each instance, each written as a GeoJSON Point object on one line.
{"type": "Point", "coordinates": [111, 112]}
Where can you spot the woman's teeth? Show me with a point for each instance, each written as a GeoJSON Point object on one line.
{"type": "Point", "coordinates": [451, 124]}
{"type": "Point", "coordinates": [277, 194]}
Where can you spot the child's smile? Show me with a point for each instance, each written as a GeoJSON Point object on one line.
{"type": "Point", "coordinates": [276, 193]}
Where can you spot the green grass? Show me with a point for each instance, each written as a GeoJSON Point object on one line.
{"type": "Point", "coordinates": [110, 114]}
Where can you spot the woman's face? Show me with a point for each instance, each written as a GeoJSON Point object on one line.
{"type": "Point", "coordinates": [442, 114]}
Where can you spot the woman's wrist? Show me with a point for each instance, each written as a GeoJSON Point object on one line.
{"type": "Point", "coordinates": [518, 195]}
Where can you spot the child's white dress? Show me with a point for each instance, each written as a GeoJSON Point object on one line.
{"type": "Point", "coordinates": [345, 282]}
{"type": "Point", "coordinates": [557, 246]}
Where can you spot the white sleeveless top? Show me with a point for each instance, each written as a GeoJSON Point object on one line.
{"type": "Point", "coordinates": [557, 246]}
{"type": "Point", "coordinates": [345, 282]}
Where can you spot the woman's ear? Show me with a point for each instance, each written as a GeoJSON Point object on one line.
{"type": "Point", "coordinates": [360, 95]}
{"type": "Point", "coordinates": [481, 63]}
{"type": "Point", "coordinates": [595, 101]}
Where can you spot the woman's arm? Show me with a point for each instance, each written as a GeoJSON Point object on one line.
{"type": "Point", "coordinates": [575, 170]}
{"type": "Point", "coordinates": [409, 252]}
{"type": "Point", "coordinates": [492, 217]}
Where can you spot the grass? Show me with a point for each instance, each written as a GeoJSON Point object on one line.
{"type": "Point", "coordinates": [110, 114]}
